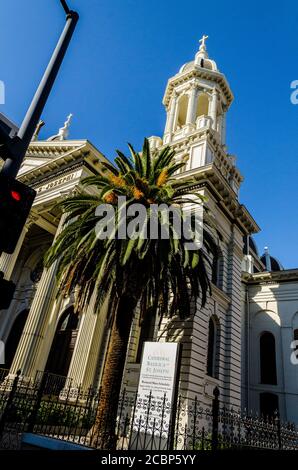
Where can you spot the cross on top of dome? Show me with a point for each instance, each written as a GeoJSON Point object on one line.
{"type": "Point", "coordinates": [203, 42]}
{"type": "Point", "coordinates": [202, 52]}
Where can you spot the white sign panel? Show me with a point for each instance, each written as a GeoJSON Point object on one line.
{"type": "Point", "coordinates": [156, 389]}
{"type": "Point", "coordinates": [158, 370]}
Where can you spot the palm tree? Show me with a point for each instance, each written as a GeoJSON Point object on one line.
{"type": "Point", "coordinates": [158, 275]}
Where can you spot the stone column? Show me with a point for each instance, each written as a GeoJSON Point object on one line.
{"type": "Point", "coordinates": [213, 108]}
{"type": "Point", "coordinates": [191, 110]}
{"type": "Point", "coordinates": [34, 331]}
{"type": "Point", "coordinates": [170, 118]}
{"type": "Point", "coordinates": [8, 262]}
{"type": "Point", "coordinates": [86, 354]}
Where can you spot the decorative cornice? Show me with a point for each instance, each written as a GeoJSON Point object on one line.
{"type": "Point", "coordinates": [286, 275]}
{"type": "Point", "coordinates": [37, 180]}
{"type": "Point", "coordinates": [198, 72]}
{"type": "Point", "coordinates": [65, 155]}
{"type": "Point", "coordinates": [222, 161]}
{"type": "Point", "coordinates": [209, 176]}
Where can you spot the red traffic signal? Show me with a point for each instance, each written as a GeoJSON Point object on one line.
{"type": "Point", "coordinates": [16, 195]}
{"type": "Point", "coordinates": [16, 200]}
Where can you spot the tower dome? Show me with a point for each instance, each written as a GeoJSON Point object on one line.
{"type": "Point", "coordinates": [201, 63]}
{"type": "Point", "coordinates": [271, 263]}
{"type": "Point", "coordinates": [201, 59]}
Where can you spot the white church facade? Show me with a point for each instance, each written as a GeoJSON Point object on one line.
{"type": "Point", "coordinates": [269, 339]}
{"type": "Point", "coordinates": [240, 341]}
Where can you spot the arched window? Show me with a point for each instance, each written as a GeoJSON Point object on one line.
{"type": "Point", "coordinates": [14, 337]}
{"type": "Point", "coordinates": [213, 259]}
{"type": "Point", "coordinates": [213, 348]}
{"type": "Point", "coordinates": [268, 359]}
{"type": "Point", "coordinates": [63, 343]}
{"type": "Point", "coordinates": [268, 404]}
{"type": "Point", "coordinates": [202, 105]}
{"type": "Point", "coordinates": [182, 111]}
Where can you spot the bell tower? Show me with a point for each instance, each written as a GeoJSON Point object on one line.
{"type": "Point", "coordinates": [197, 97]}
{"type": "Point", "coordinates": [197, 100]}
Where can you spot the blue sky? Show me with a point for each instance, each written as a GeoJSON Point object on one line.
{"type": "Point", "coordinates": [121, 57]}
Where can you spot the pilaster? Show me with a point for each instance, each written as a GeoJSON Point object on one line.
{"type": "Point", "coordinates": [170, 118]}
{"type": "Point", "coordinates": [191, 110]}
{"type": "Point", "coordinates": [213, 108]}
{"type": "Point", "coordinates": [223, 129]}
{"type": "Point", "coordinates": [233, 321]}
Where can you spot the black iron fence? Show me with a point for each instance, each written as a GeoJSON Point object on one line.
{"type": "Point", "coordinates": [52, 407]}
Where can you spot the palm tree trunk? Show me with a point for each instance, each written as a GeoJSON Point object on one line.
{"type": "Point", "coordinates": [103, 431]}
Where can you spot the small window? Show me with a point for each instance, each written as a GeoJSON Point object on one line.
{"type": "Point", "coordinates": [36, 273]}
{"type": "Point", "coordinates": [212, 253]}
{"type": "Point", "coordinates": [268, 359]}
{"type": "Point", "coordinates": [212, 354]}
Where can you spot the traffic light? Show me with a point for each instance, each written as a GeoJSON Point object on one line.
{"type": "Point", "coordinates": [7, 289]}
{"type": "Point", "coordinates": [16, 200]}
{"type": "Point", "coordinates": [8, 136]}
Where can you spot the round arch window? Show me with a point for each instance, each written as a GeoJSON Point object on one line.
{"type": "Point", "coordinates": [36, 273]}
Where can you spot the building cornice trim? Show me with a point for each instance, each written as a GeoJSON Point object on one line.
{"type": "Point", "coordinates": [70, 156]}
{"type": "Point", "coordinates": [210, 177]}
{"type": "Point", "coordinates": [198, 72]}
{"type": "Point", "coordinates": [286, 275]}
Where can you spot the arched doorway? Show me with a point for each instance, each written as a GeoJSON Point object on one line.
{"type": "Point", "coordinates": [14, 337]}
{"type": "Point", "coordinates": [63, 344]}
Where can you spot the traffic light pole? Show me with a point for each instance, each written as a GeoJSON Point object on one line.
{"type": "Point", "coordinates": [17, 149]}
{"type": "Point", "coordinates": [27, 129]}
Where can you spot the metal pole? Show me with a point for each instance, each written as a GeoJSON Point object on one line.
{"type": "Point", "coordinates": [27, 129]}
{"type": "Point", "coordinates": [215, 416]}
{"type": "Point", "coordinates": [174, 416]}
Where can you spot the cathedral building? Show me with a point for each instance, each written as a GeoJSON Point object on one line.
{"type": "Point", "coordinates": [240, 341]}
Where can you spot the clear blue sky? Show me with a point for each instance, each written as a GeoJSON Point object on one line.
{"type": "Point", "coordinates": [115, 73]}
